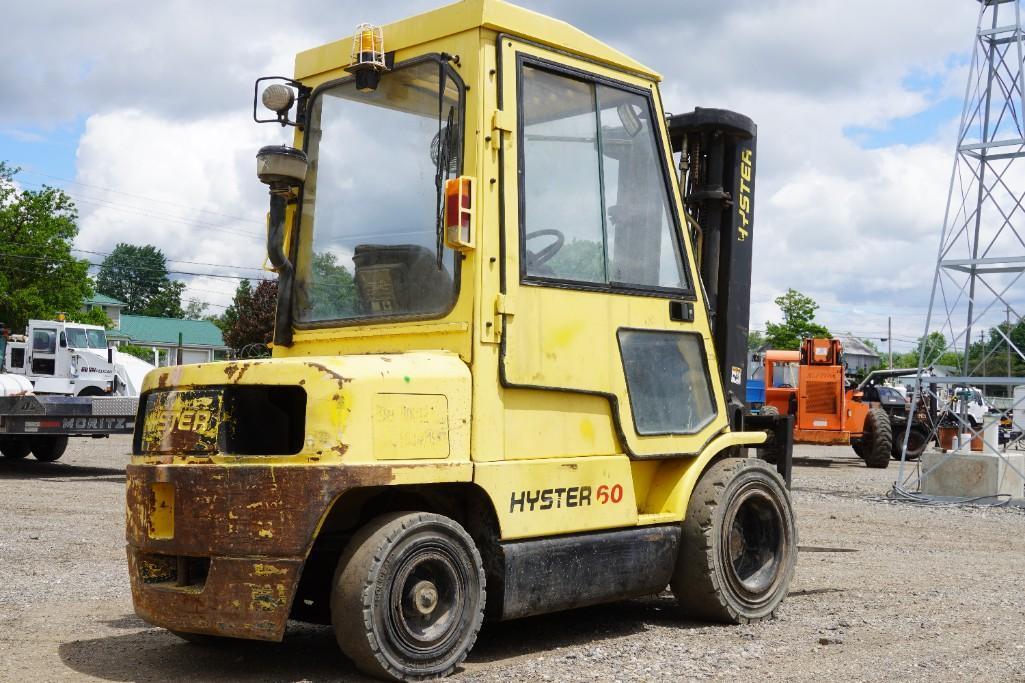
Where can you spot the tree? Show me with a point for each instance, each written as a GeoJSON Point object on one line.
{"type": "Point", "coordinates": [798, 322]}
{"type": "Point", "coordinates": [250, 318]}
{"type": "Point", "coordinates": [39, 278]}
{"type": "Point", "coordinates": [138, 276]}
{"type": "Point", "coordinates": [94, 316]}
{"type": "Point", "coordinates": [579, 259]}
{"type": "Point", "coordinates": [194, 309]}
{"type": "Point", "coordinates": [936, 353]}
{"type": "Point", "coordinates": [755, 340]}
{"type": "Point", "coordinates": [333, 288]}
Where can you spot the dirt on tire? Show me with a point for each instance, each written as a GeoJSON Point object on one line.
{"type": "Point", "coordinates": [877, 443]}
{"type": "Point", "coordinates": [705, 581]}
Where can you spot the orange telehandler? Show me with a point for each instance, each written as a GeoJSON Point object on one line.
{"type": "Point", "coordinates": [810, 384]}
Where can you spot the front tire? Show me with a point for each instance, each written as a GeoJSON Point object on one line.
{"type": "Point", "coordinates": [49, 448]}
{"type": "Point", "coordinates": [408, 597]}
{"type": "Point", "coordinates": [877, 441]}
{"type": "Point", "coordinates": [739, 544]}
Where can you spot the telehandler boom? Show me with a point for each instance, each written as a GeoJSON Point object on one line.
{"type": "Point", "coordinates": [494, 388]}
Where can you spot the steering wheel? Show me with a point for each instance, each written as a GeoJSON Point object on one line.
{"type": "Point", "coordinates": [785, 386]}
{"type": "Point", "coordinates": [535, 259]}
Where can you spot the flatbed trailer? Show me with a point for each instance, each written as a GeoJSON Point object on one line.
{"type": "Point", "coordinates": [41, 425]}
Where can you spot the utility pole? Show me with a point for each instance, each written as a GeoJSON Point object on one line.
{"type": "Point", "coordinates": [889, 339]}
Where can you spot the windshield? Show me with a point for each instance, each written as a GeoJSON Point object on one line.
{"type": "Point", "coordinates": [79, 338]}
{"type": "Point", "coordinates": [97, 339]}
{"type": "Point", "coordinates": [369, 242]}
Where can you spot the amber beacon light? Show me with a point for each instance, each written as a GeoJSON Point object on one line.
{"type": "Point", "coordinates": [367, 57]}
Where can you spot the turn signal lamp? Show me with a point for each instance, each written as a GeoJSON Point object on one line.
{"type": "Point", "coordinates": [368, 59]}
{"type": "Point", "coordinates": [459, 223]}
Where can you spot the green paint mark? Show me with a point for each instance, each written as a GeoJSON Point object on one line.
{"type": "Point", "coordinates": [406, 378]}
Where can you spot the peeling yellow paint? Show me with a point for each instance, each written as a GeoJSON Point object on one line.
{"type": "Point", "coordinates": [261, 569]}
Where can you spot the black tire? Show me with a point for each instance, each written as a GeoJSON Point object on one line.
{"type": "Point", "coordinates": [408, 597]}
{"type": "Point", "coordinates": [92, 391]}
{"type": "Point", "coordinates": [770, 454]}
{"type": "Point", "coordinates": [49, 448]}
{"type": "Point", "coordinates": [877, 442]}
{"type": "Point", "coordinates": [918, 441]}
{"type": "Point", "coordinates": [739, 544]}
{"type": "Point", "coordinates": [14, 447]}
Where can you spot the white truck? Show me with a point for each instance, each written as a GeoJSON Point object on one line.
{"type": "Point", "coordinates": [70, 359]}
{"type": "Point", "coordinates": [60, 380]}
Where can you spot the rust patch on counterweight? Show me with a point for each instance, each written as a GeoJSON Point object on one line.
{"type": "Point", "coordinates": [255, 524]}
{"type": "Point", "coordinates": [340, 379]}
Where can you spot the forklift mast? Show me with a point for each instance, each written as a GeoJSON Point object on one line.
{"type": "Point", "coordinates": [716, 151]}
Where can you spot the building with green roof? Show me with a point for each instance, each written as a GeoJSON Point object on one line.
{"type": "Point", "coordinates": [201, 340]}
{"type": "Point", "coordinates": [111, 306]}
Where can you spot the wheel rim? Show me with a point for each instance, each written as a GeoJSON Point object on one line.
{"type": "Point", "coordinates": [427, 601]}
{"type": "Point", "coordinates": [754, 544]}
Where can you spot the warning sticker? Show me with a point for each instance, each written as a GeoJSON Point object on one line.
{"type": "Point", "coordinates": [736, 374]}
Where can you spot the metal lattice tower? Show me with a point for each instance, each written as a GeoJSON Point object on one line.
{"type": "Point", "coordinates": [978, 285]}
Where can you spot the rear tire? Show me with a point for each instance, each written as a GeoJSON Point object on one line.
{"type": "Point", "coordinates": [918, 441]}
{"type": "Point", "coordinates": [14, 447]}
{"type": "Point", "coordinates": [739, 544]}
{"type": "Point", "coordinates": [877, 442]}
{"type": "Point", "coordinates": [408, 597]}
{"type": "Point", "coordinates": [49, 448]}
{"type": "Point", "coordinates": [771, 454]}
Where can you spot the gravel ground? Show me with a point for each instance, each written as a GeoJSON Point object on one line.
{"type": "Point", "coordinates": [916, 594]}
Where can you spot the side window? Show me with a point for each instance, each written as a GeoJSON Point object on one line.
{"type": "Point", "coordinates": [667, 381]}
{"type": "Point", "coordinates": [595, 202]}
{"type": "Point", "coordinates": [44, 341]}
{"type": "Point", "coordinates": [641, 249]}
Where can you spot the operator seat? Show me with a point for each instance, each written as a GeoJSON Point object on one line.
{"type": "Point", "coordinates": [401, 279]}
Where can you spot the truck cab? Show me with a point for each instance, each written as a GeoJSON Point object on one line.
{"type": "Point", "coordinates": [62, 357]}
{"type": "Point", "coordinates": [494, 386]}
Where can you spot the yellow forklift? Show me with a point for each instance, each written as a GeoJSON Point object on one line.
{"type": "Point", "coordinates": [494, 388]}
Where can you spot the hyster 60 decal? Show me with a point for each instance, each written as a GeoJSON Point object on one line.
{"type": "Point", "coordinates": [567, 497]}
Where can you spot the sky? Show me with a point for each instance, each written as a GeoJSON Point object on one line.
{"type": "Point", "coordinates": [142, 112]}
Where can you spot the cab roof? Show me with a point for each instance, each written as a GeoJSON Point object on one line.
{"type": "Point", "coordinates": [465, 15]}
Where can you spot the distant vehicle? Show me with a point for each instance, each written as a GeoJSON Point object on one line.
{"type": "Point", "coordinates": [810, 384]}
{"type": "Point", "coordinates": [66, 358]}
{"type": "Point", "coordinates": [42, 424]}
{"type": "Point", "coordinates": [969, 402]}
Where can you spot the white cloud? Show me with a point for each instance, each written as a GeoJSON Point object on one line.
{"type": "Point", "coordinates": [188, 188]}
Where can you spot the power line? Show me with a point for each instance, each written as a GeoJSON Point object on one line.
{"type": "Point", "coordinates": [52, 260]}
{"type": "Point", "coordinates": [139, 196]}
{"type": "Point", "coordinates": [171, 260]}
{"type": "Point", "coordinates": [143, 212]}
